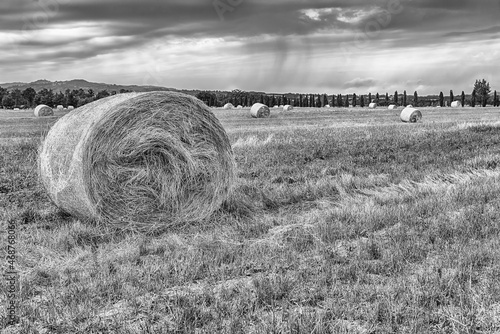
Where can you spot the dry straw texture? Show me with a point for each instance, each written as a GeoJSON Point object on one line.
{"type": "Point", "coordinates": [43, 110]}
{"type": "Point", "coordinates": [372, 105]}
{"type": "Point", "coordinates": [260, 110]}
{"type": "Point", "coordinates": [411, 115]}
{"type": "Point", "coordinates": [287, 108]}
{"type": "Point", "coordinates": [143, 161]}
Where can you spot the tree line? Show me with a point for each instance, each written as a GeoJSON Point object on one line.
{"type": "Point", "coordinates": [29, 98]}
{"type": "Point", "coordinates": [481, 95]}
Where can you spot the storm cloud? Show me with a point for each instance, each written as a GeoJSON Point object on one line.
{"type": "Point", "coordinates": [279, 46]}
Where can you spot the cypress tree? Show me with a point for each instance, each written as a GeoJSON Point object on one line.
{"type": "Point", "coordinates": [415, 99]}
{"type": "Point", "coordinates": [386, 99]}
{"type": "Point", "coordinates": [452, 98]}
{"type": "Point", "coordinates": [347, 100]}
{"type": "Point", "coordinates": [404, 98]}
{"type": "Point", "coordinates": [473, 99]}
{"type": "Point", "coordinates": [369, 98]}
{"type": "Point", "coordinates": [377, 98]}
{"type": "Point", "coordinates": [396, 97]}
{"type": "Point", "coordinates": [354, 102]}
{"type": "Point", "coordinates": [441, 99]}
{"type": "Point", "coordinates": [462, 100]}
{"type": "Point", "coordinates": [339, 100]}
{"type": "Point", "coordinates": [300, 101]}
{"type": "Point", "coordinates": [362, 101]}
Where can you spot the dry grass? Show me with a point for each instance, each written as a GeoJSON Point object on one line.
{"type": "Point", "coordinates": [347, 223]}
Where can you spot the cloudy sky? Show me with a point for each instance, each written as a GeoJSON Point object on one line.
{"type": "Point", "coordinates": [309, 46]}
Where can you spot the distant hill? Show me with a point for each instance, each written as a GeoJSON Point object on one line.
{"type": "Point", "coordinates": [62, 86]}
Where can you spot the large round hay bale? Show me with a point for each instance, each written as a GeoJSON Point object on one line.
{"type": "Point", "coordinates": [287, 108]}
{"type": "Point", "coordinates": [260, 110]}
{"type": "Point", "coordinates": [228, 106]}
{"type": "Point", "coordinates": [409, 106]}
{"type": "Point", "coordinates": [456, 104]}
{"type": "Point", "coordinates": [411, 115]}
{"type": "Point", "coordinates": [60, 107]}
{"type": "Point", "coordinates": [140, 161]}
{"type": "Point", "coordinates": [71, 107]}
{"type": "Point", "coordinates": [42, 110]}
{"type": "Point", "coordinates": [372, 105]}
{"type": "Point", "coordinates": [392, 107]}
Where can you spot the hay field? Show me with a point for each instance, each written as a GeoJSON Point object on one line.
{"type": "Point", "coordinates": [342, 221]}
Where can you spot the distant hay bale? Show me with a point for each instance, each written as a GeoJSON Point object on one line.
{"type": "Point", "coordinates": [42, 110]}
{"type": "Point", "coordinates": [287, 108]}
{"type": "Point", "coordinates": [372, 105]}
{"type": "Point", "coordinates": [392, 107]}
{"type": "Point", "coordinates": [281, 106]}
{"type": "Point", "coordinates": [239, 107]}
{"type": "Point", "coordinates": [276, 107]}
{"type": "Point", "coordinates": [228, 106]}
{"type": "Point", "coordinates": [71, 107]}
{"type": "Point", "coordinates": [60, 107]}
{"type": "Point", "coordinates": [139, 161]}
{"type": "Point", "coordinates": [260, 110]}
{"type": "Point", "coordinates": [327, 106]}
{"type": "Point", "coordinates": [16, 109]}
{"type": "Point", "coordinates": [456, 104]}
{"type": "Point", "coordinates": [411, 115]}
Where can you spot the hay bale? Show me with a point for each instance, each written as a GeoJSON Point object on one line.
{"type": "Point", "coordinates": [239, 107]}
{"type": "Point", "coordinates": [139, 161]}
{"type": "Point", "coordinates": [281, 106]}
{"type": "Point", "coordinates": [372, 105]}
{"type": "Point", "coordinates": [16, 109]}
{"type": "Point", "coordinates": [409, 106]}
{"type": "Point", "coordinates": [60, 107]}
{"type": "Point", "coordinates": [327, 106]}
{"type": "Point", "coordinates": [456, 104]}
{"type": "Point", "coordinates": [260, 110]}
{"type": "Point", "coordinates": [42, 110]}
{"type": "Point", "coordinates": [411, 115]}
{"type": "Point", "coordinates": [228, 106]}
{"type": "Point", "coordinates": [276, 107]}
{"type": "Point", "coordinates": [71, 107]}
{"type": "Point", "coordinates": [287, 108]}
{"type": "Point", "coordinates": [392, 107]}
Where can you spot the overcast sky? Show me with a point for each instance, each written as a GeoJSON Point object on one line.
{"type": "Point", "coordinates": [316, 46]}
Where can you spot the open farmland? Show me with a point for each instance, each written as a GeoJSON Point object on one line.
{"type": "Point", "coordinates": [341, 221]}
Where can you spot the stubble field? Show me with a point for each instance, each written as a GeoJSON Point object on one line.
{"type": "Point", "coordinates": [341, 221]}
